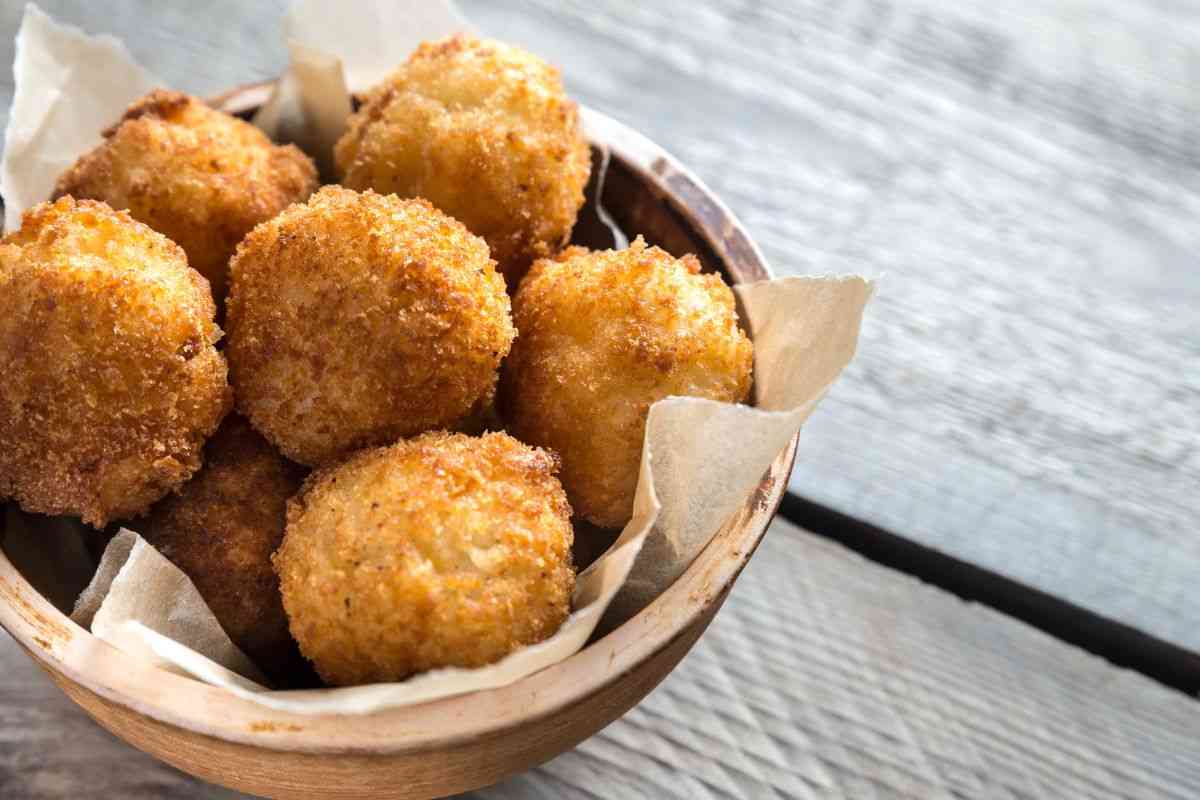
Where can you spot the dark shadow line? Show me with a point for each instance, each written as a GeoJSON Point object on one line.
{"type": "Point", "coordinates": [1121, 644]}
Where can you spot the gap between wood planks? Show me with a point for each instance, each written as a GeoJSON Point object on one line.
{"type": "Point", "coordinates": [1122, 645]}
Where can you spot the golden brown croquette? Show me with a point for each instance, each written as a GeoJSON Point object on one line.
{"type": "Point", "coordinates": [485, 132]}
{"type": "Point", "coordinates": [221, 529]}
{"type": "Point", "coordinates": [603, 336]}
{"type": "Point", "coordinates": [110, 380]}
{"type": "Point", "coordinates": [443, 550]}
{"type": "Point", "coordinates": [198, 176]}
{"type": "Point", "coordinates": [356, 319]}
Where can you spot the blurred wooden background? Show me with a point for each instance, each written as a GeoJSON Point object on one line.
{"type": "Point", "coordinates": [1026, 180]}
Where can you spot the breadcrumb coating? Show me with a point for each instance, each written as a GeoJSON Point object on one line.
{"type": "Point", "coordinates": [200, 177]}
{"type": "Point", "coordinates": [443, 550]}
{"type": "Point", "coordinates": [603, 336]}
{"type": "Point", "coordinates": [356, 319]}
{"type": "Point", "coordinates": [221, 529]}
{"type": "Point", "coordinates": [485, 132]}
{"type": "Point", "coordinates": [110, 379]}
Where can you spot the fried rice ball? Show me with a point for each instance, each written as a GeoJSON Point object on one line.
{"type": "Point", "coordinates": [443, 550]}
{"type": "Point", "coordinates": [196, 175]}
{"type": "Point", "coordinates": [485, 132]}
{"type": "Point", "coordinates": [109, 379]}
{"type": "Point", "coordinates": [221, 529]}
{"type": "Point", "coordinates": [603, 336]}
{"type": "Point", "coordinates": [356, 319]}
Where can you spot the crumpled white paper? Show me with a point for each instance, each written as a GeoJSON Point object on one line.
{"type": "Point", "coordinates": [136, 588]}
{"type": "Point", "coordinates": [709, 456]}
{"type": "Point", "coordinates": [701, 458]}
{"type": "Point", "coordinates": [47, 129]}
{"type": "Point", "coordinates": [333, 54]}
{"type": "Point", "coordinates": [144, 605]}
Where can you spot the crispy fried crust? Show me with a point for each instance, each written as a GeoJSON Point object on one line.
{"type": "Point", "coordinates": [110, 380]}
{"type": "Point", "coordinates": [444, 550]}
{"type": "Point", "coordinates": [603, 336]}
{"type": "Point", "coordinates": [221, 529]}
{"type": "Point", "coordinates": [356, 319]}
{"type": "Point", "coordinates": [485, 132]}
{"type": "Point", "coordinates": [198, 176]}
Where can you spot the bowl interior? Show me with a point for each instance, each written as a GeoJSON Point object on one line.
{"type": "Point", "coordinates": [647, 192]}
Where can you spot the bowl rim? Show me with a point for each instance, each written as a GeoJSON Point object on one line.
{"type": "Point", "coordinates": [72, 653]}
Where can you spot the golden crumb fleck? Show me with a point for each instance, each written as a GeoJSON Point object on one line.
{"type": "Point", "coordinates": [485, 132]}
{"type": "Point", "coordinates": [357, 318]}
{"type": "Point", "coordinates": [221, 529]}
{"type": "Point", "coordinates": [199, 176]}
{"type": "Point", "coordinates": [443, 550]}
{"type": "Point", "coordinates": [111, 378]}
{"type": "Point", "coordinates": [603, 336]}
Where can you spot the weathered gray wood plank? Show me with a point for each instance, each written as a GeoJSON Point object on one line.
{"type": "Point", "coordinates": [203, 49]}
{"type": "Point", "coordinates": [1027, 395]}
{"type": "Point", "coordinates": [50, 749]}
{"type": "Point", "coordinates": [824, 676]}
{"type": "Point", "coordinates": [828, 676]}
{"type": "Point", "coordinates": [1027, 178]}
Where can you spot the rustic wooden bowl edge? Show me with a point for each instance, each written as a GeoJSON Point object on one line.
{"type": "Point", "coordinates": [590, 681]}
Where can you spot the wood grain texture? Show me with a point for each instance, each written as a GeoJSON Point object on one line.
{"type": "Point", "coordinates": [50, 749]}
{"type": "Point", "coordinates": [203, 49]}
{"type": "Point", "coordinates": [1026, 177]}
{"type": "Point", "coordinates": [823, 676]}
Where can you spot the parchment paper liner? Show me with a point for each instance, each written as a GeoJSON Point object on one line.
{"type": "Point", "coordinates": [701, 458]}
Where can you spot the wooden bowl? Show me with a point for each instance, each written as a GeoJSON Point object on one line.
{"type": "Point", "coordinates": [459, 743]}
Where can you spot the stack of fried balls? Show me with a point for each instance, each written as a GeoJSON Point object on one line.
{"type": "Point", "coordinates": [315, 469]}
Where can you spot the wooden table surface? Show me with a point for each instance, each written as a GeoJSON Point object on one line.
{"type": "Point", "coordinates": [1026, 179]}
{"type": "Point", "coordinates": [824, 675]}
